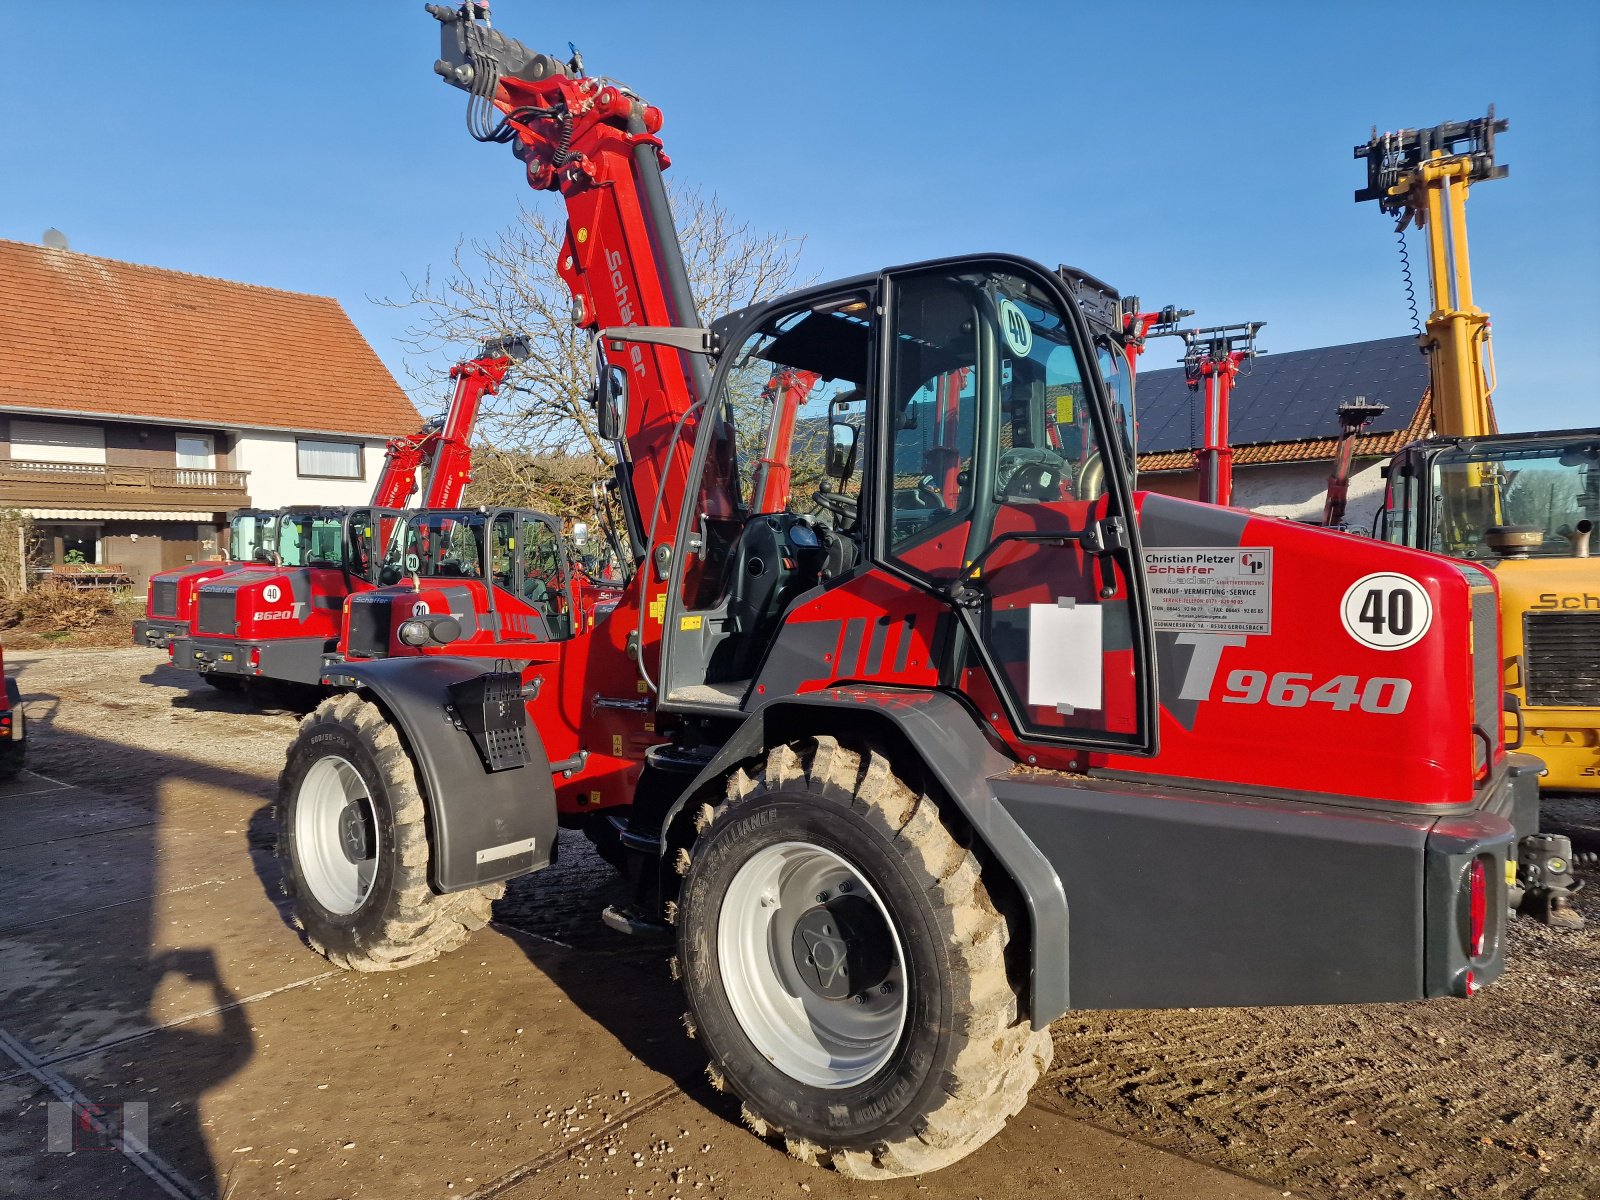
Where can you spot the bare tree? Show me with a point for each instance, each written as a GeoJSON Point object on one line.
{"type": "Point", "coordinates": [537, 436]}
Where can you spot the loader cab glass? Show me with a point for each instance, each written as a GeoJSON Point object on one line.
{"type": "Point", "coordinates": [310, 539]}
{"type": "Point", "coordinates": [1118, 375]}
{"type": "Point", "coordinates": [979, 436]}
{"type": "Point", "coordinates": [997, 490]}
{"type": "Point", "coordinates": [1547, 489]}
{"type": "Point", "coordinates": [445, 545]}
{"type": "Point", "coordinates": [251, 536]}
{"type": "Point", "coordinates": [771, 444]}
{"type": "Point", "coordinates": [372, 544]}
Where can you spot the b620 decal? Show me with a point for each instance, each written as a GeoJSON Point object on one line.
{"type": "Point", "coordinates": [1295, 689]}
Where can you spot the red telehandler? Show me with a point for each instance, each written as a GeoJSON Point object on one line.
{"type": "Point", "coordinates": [913, 772]}
{"type": "Point", "coordinates": [279, 616]}
{"type": "Point", "coordinates": [169, 602]}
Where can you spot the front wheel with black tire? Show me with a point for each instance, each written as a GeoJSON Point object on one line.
{"type": "Point", "coordinates": [845, 967]}
{"type": "Point", "coordinates": [353, 846]}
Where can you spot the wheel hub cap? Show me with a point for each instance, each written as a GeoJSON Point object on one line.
{"type": "Point", "coordinates": [842, 948]}
{"type": "Point", "coordinates": [355, 837]}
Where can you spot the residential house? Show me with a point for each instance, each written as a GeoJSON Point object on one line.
{"type": "Point", "coordinates": [139, 405]}
{"type": "Point", "coordinates": [1284, 426]}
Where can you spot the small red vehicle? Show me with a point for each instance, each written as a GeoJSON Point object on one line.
{"type": "Point", "coordinates": [13, 728]}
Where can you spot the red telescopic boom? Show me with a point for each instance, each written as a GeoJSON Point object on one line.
{"type": "Point", "coordinates": [443, 451]}
{"type": "Point", "coordinates": [1212, 363]}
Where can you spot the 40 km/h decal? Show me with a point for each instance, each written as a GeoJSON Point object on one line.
{"type": "Point", "coordinates": [1386, 611]}
{"type": "Point", "coordinates": [272, 593]}
{"type": "Point", "coordinates": [1015, 329]}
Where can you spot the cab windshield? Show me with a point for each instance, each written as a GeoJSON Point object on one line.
{"type": "Point", "coordinates": [445, 545]}
{"type": "Point", "coordinates": [1548, 488]}
{"type": "Point", "coordinates": [1115, 371]}
{"type": "Point", "coordinates": [251, 536]}
{"type": "Point", "coordinates": [309, 540]}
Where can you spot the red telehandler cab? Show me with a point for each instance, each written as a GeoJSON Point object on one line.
{"type": "Point", "coordinates": [475, 577]}
{"type": "Point", "coordinates": [965, 736]}
{"type": "Point", "coordinates": [280, 617]}
{"type": "Point", "coordinates": [169, 602]}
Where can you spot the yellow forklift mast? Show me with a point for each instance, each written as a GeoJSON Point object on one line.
{"type": "Point", "coordinates": [1525, 504]}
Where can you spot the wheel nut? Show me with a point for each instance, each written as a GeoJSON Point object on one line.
{"type": "Point", "coordinates": [859, 997]}
{"type": "Point", "coordinates": [822, 897]}
{"type": "Point", "coordinates": [885, 988]}
{"type": "Point", "coordinates": [845, 886]}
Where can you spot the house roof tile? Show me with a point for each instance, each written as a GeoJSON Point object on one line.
{"type": "Point", "coordinates": [98, 336]}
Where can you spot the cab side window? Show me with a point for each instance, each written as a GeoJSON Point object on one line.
{"type": "Point", "coordinates": [503, 551]}
{"type": "Point", "coordinates": [933, 402]}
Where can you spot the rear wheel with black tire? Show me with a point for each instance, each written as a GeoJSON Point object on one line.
{"type": "Point", "coordinates": [354, 849]}
{"type": "Point", "coordinates": [845, 967]}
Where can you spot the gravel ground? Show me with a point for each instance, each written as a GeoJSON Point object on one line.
{"type": "Point", "coordinates": [1489, 1097]}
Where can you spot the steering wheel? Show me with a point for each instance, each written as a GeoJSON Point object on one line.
{"type": "Point", "coordinates": [843, 507]}
{"type": "Point", "coordinates": [1028, 474]}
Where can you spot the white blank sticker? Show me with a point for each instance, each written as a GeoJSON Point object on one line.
{"type": "Point", "coordinates": [1065, 656]}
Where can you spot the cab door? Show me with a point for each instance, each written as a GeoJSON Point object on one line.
{"type": "Point", "coordinates": [1003, 486]}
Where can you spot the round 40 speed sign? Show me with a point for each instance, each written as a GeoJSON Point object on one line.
{"type": "Point", "coordinates": [1386, 611]}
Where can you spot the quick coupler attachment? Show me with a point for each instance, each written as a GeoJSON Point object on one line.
{"type": "Point", "coordinates": [1545, 883]}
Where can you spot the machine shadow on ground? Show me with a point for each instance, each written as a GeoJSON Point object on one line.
{"type": "Point", "coordinates": [87, 869]}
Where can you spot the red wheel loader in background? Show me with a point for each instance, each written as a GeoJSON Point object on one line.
{"type": "Point", "coordinates": [169, 602]}
{"type": "Point", "coordinates": [966, 735]}
{"type": "Point", "coordinates": [279, 616]}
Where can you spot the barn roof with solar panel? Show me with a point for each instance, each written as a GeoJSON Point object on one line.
{"type": "Point", "coordinates": [1284, 407]}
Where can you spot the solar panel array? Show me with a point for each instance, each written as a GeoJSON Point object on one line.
{"type": "Point", "coordinates": [1287, 397]}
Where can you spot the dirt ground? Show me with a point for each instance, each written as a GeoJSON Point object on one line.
{"type": "Point", "coordinates": [1489, 1097]}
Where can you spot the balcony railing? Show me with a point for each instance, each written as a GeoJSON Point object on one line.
{"type": "Point", "coordinates": [102, 485]}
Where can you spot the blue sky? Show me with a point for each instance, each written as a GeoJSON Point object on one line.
{"type": "Point", "coordinates": [1193, 154]}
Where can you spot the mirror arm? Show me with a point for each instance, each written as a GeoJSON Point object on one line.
{"type": "Point", "coordinates": [691, 339]}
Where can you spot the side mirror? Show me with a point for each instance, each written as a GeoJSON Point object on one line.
{"type": "Point", "coordinates": [610, 401]}
{"type": "Point", "coordinates": [841, 450]}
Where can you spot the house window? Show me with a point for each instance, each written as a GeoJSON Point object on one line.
{"type": "Point", "coordinates": [329, 460]}
{"type": "Point", "coordinates": [57, 441]}
{"type": "Point", "coordinates": [195, 451]}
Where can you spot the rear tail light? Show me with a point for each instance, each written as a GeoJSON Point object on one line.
{"type": "Point", "coordinates": [255, 657]}
{"type": "Point", "coordinates": [1477, 909]}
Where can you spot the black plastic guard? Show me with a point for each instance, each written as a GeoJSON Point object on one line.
{"type": "Point", "coordinates": [490, 706]}
{"type": "Point", "coordinates": [484, 827]}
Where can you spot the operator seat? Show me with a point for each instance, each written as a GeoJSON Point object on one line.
{"type": "Point", "coordinates": [764, 575]}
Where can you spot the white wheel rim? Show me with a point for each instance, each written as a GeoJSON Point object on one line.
{"type": "Point", "coordinates": [336, 835]}
{"type": "Point", "coordinates": [771, 905]}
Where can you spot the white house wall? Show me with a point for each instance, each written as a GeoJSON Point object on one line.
{"type": "Point", "coordinates": [1297, 490]}
{"type": "Point", "coordinates": [274, 475]}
